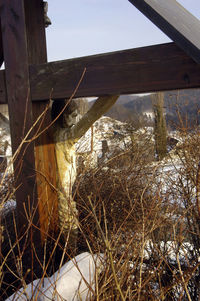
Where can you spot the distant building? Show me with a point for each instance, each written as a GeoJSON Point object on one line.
{"type": "Point", "coordinates": [149, 113]}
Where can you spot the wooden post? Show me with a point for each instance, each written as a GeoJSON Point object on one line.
{"type": "Point", "coordinates": [1, 47]}
{"type": "Point", "coordinates": [24, 43]}
{"type": "Point", "coordinates": [20, 115]}
{"type": "Point", "coordinates": [20, 108]}
{"type": "Point", "coordinates": [44, 146]}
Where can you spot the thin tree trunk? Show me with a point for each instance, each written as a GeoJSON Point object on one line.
{"type": "Point", "coordinates": [160, 130]}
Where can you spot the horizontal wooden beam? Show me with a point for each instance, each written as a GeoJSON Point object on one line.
{"type": "Point", "coordinates": [175, 21]}
{"type": "Point", "coordinates": [153, 68]}
{"type": "Point", "coordinates": [147, 69]}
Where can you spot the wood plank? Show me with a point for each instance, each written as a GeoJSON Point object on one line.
{"type": "Point", "coordinates": [147, 69]}
{"type": "Point", "coordinates": [1, 48]}
{"type": "Point", "coordinates": [175, 21]}
{"type": "Point", "coordinates": [20, 108]}
{"type": "Point", "coordinates": [44, 145]}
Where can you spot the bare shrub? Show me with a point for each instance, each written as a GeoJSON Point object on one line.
{"type": "Point", "coordinates": [149, 236]}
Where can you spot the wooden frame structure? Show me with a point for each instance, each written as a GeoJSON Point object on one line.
{"type": "Point", "coordinates": [28, 81]}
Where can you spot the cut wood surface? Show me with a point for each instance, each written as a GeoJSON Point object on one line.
{"type": "Point", "coordinates": [175, 21]}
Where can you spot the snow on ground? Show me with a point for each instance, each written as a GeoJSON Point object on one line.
{"type": "Point", "coordinates": [5, 141]}
{"type": "Point", "coordinates": [71, 281]}
{"type": "Point", "coordinates": [115, 132]}
{"type": "Point", "coordinates": [170, 249]}
{"type": "Point", "coordinates": [7, 206]}
{"type": "Point", "coordinates": [75, 281]}
{"type": "Point", "coordinates": [116, 135]}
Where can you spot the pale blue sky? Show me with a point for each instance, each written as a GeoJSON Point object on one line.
{"type": "Point", "coordinates": [85, 27]}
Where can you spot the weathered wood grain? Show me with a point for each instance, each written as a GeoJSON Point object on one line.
{"type": "Point", "coordinates": [153, 68]}
{"type": "Point", "coordinates": [1, 48]}
{"type": "Point", "coordinates": [20, 107]}
{"type": "Point", "coordinates": [175, 21]}
{"type": "Point", "coordinates": [44, 146]}
{"type": "Point", "coordinates": [146, 69]}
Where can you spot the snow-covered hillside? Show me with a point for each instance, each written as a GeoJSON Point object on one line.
{"type": "Point", "coordinates": [106, 136]}
{"type": "Point", "coordinates": [115, 132]}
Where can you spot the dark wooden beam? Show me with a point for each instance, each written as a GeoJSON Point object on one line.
{"type": "Point", "coordinates": [20, 108]}
{"type": "Point", "coordinates": [44, 144]}
{"type": "Point", "coordinates": [1, 48]}
{"type": "Point", "coordinates": [175, 21]}
{"type": "Point", "coordinates": [147, 69]}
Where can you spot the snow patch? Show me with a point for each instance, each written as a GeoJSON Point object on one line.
{"type": "Point", "coordinates": [75, 281]}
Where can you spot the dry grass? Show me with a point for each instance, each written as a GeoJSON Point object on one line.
{"type": "Point", "coordinates": [124, 214]}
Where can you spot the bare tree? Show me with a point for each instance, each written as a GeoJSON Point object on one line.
{"type": "Point", "coordinates": [160, 130]}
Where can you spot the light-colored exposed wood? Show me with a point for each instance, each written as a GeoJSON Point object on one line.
{"type": "Point", "coordinates": [45, 164]}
